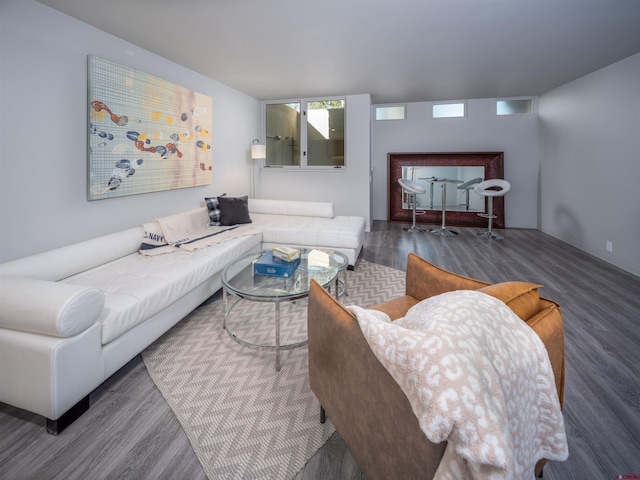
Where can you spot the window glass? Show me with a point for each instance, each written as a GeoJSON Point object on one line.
{"type": "Point", "coordinates": [325, 133]}
{"type": "Point", "coordinates": [283, 134]}
{"type": "Point", "coordinates": [514, 106]}
{"type": "Point", "coordinates": [395, 112]}
{"type": "Point", "coordinates": [448, 110]}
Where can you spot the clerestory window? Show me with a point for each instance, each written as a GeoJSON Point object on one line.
{"type": "Point", "coordinates": [515, 106]}
{"type": "Point", "coordinates": [448, 109]}
{"type": "Point", "coordinates": [391, 112]}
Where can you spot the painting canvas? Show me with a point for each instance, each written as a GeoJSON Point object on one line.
{"type": "Point", "coordinates": [145, 134]}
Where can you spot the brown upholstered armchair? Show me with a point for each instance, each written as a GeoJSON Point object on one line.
{"type": "Point", "coordinates": [365, 404]}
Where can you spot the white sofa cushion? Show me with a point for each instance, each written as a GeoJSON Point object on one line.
{"type": "Point", "coordinates": [50, 308]}
{"type": "Point", "coordinates": [337, 232]}
{"type": "Point", "coordinates": [136, 287]}
{"type": "Point", "coordinates": [286, 207]}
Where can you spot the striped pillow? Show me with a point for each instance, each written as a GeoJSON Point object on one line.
{"type": "Point", "coordinates": [214, 210]}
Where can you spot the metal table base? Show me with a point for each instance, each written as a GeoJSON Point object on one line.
{"type": "Point", "coordinates": [277, 347]}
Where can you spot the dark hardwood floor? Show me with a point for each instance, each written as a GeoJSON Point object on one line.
{"type": "Point", "coordinates": [130, 432]}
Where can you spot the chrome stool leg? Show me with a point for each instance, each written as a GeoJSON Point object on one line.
{"type": "Point", "coordinates": [490, 233]}
{"type": "Point", "coordinates": [413, 228]}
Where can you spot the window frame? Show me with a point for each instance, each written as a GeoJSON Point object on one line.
{"type": "Point", "coordinates": [304, 147]}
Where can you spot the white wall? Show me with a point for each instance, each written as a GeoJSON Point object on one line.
{"type": "Point", "coordinates": [481, 130]}
{"type": "Point", "coordinates": [590, 163]}
{"type": "Point", "coordinates": [43, 128]}
{"type": "Point", "coordinates": [347, 188]}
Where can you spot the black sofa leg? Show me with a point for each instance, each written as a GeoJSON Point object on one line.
{"type": "Point", "coordinates": [54, 427]}
{"type": "Point", "coordinates": [323, 415]}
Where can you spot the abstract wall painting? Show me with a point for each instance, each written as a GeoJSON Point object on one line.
{"type": "Point", "coordinates": [145, 134]}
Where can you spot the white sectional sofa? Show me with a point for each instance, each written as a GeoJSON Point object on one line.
{"type": "Point", "coordinates": [71, 317]}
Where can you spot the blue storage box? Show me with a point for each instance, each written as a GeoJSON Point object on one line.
{"type": "Point", "coordinates": [270, 266]}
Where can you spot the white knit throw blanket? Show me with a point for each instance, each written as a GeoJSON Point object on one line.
{"type": "Point", "coordinates": [476, 376]}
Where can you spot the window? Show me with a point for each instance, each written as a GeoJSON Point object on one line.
{"type": "Point", "coordinates": [449, 110]}
{"type": "Point", "coordinates": [391, 112]}
{"type": "Point", "coordinates": [514, 106]}
{"type": "Point", "coordinates": [283, 134]}
{"type": "Point", "coordinates": [305, 133]}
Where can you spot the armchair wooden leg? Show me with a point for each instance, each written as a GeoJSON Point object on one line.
{"type": "Point", "coordinates": [323, 415]}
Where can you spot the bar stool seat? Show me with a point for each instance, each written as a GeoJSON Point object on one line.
{"type": "Point", "coordinates": [412, 189]}
{"type": "Point", "coordinates": [494, 187]}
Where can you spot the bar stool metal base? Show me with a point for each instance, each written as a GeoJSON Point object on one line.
{"type": "Point", "coordinates": [413, 229]}
{"type": "Point", "coordinates": [443, 232]}
{"type": "Point", "coordinates": [490, 234]}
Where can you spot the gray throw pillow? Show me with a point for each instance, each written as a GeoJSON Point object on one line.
{"type": "Point", "coordinates": [234, 210]}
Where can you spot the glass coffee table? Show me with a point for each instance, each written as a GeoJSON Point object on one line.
{"type": "Point", "coordinates": [238, 280]}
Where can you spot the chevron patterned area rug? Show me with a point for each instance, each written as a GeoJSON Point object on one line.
{"type": "Point", "coordinates": [244, 420]}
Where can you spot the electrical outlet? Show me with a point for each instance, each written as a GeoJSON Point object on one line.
{"type": "Point", "coordinates": [609, 246]}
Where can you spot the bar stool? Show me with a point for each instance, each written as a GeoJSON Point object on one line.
{"type": "Point", "coordinates": [430, 180]}
{"type": "Point", "coordinates": [466, 186]}
{"type": "Point", "coordinates": [412, 189]}
{"type": "Point", "coordinates": [487, 189]}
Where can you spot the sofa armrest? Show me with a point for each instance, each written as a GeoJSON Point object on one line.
{"type": "Point", "coordinates": [50, 308]}
{"type": "Point", "coordinates": [547, 323]}
{"type": "Point", "coordinates": [361, 398]}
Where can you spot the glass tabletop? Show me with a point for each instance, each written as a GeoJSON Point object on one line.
{"type": "Point", "coordinates": [320, 265]}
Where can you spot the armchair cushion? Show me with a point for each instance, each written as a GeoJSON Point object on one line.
{"type": "Point", "coordinates": [397, 307]}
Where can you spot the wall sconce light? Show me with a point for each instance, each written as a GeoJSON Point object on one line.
{"type": "Point", "coordinates": [258, 152]}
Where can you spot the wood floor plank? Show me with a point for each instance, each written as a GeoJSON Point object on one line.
{"type": "Point", "coordinates": [130, 431]}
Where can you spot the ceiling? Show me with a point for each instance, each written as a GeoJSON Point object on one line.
{"type": "Point", "coordinates": [396, 50]}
